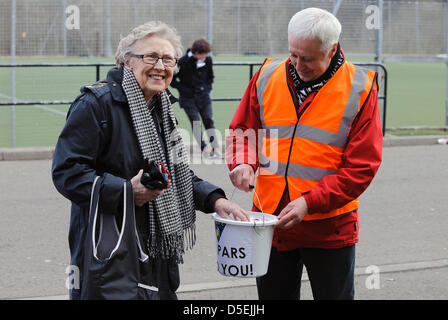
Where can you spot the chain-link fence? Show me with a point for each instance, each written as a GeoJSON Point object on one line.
{"type": "Point", "coordinates": [235, 27]}
{"type": "Point", "coordinates": [61, 31]}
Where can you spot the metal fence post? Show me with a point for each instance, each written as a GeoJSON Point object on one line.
{"type": "Point", "coordinates": [107, 48]}
{"type": "Point", "coordinates": [210, 21]}
{"type": "Point", "coordinates": [445, 22]}
{"type": "Point", "coordinates": [64, 28]}
{"type": "Point", "coordinates": [336, 7]}
{"type": "Point", "coordinates": [238, 28]}
{"type": "Point", "coordinates": [379, 35]}
{"type": "Point", "coordinates": [13, 73]}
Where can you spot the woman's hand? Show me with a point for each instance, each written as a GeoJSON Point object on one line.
{"type": "Point", "coordinates": [224, 208]}
{"type": "Point", "coordinates": [141, 193]}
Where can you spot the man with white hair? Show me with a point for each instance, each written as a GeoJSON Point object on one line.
{"type": "Point", "coordinates": [310, 126]}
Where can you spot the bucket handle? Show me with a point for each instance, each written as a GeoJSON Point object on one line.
{"type": "Point", "coordinates": [251, 187]}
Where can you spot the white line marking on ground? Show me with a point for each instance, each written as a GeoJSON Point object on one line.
{"type": "Point", "coordinates": [5, 96]}
{"type": "Point", "coordinates": [50, 109]}
{"type": "Point", "coordinates": [39, 106]}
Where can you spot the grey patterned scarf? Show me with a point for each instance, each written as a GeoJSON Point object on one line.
{"type": "Point", "coordinates": [172, 216]}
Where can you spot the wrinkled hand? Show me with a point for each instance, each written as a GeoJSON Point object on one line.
{"type": "Point", "coordinates": [141, 193]}
{"type": "Point", "coordinates": [292, 214]}
{"type": "Point", "coordinates": [224, 208]}
{"type": "Point", "coordinates": [242, 176]}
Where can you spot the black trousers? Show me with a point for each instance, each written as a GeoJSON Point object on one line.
{"type": "Point", "coordinates": [200, 105]}
{"type": "Point", "coordinates": [330, 272]}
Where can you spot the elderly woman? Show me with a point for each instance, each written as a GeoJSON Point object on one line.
{"type": "Point", "coordinates": [113, 130]}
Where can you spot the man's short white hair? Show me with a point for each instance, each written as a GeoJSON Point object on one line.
{"type": "Point", "coordinates": [315, 23]}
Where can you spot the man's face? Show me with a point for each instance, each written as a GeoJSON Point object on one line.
{"type": "Point", "coordinates": [152, 78]}
{"type": "Point", "coordinates": [308, 59]}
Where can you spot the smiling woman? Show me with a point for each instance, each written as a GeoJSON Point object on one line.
{"type": "Point", "coordinates": [152, 76]}
{"type": "Point", "coordinates": [116, 130]}
{"type": "Point", "coordinates": [141, 50]}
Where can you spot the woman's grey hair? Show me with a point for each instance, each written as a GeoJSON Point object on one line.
{"type": "Point", "coordinates": [315, 23]}
{"type": "Point", "coordinates": [128, 43]}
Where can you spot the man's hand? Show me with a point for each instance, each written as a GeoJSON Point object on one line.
{"type": "Point", "coordinates": [224, 208]}
{"type": "Point", "coordinates": [292, 214]}
{"type": "Point", "coordinates": [141, 193]}
{"type": "Point", "coordinates": [242, 176]}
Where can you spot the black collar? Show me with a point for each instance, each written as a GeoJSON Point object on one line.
{"type": "Point", "coordinates": [114, 81]}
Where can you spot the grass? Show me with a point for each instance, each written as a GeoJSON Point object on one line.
{"type": "Point", "coordinates": [416, 96]}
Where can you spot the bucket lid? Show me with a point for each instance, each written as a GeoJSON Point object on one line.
{"type": "Point", "coordinates": [256, 220]}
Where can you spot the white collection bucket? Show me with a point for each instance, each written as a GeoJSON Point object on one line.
{"type": "Point", "coordinates": [243, 248]}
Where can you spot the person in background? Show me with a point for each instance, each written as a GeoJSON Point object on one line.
{"type": "Point", "coordinates": [194, 83]}
{"type": "Point", "coordinates": [113, 130]}
{"type": "Point", "coordinates": [317, 146]}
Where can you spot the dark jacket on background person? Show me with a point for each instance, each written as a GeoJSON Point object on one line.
{"type": "Point", "coordinates": [98, 139]}
{"type": "Point", "coordinates": [190, 79]}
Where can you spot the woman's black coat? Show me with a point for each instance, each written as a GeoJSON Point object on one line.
{"type": "Point", "coordinates": [98, 139]}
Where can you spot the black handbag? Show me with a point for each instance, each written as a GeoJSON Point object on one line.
{"type": "Point", "coordinates": [113, 258]}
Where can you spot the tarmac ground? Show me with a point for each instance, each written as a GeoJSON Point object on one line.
{"type": "Point", "coordinates": [402, 253]}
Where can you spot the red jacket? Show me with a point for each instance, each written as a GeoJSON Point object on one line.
{"type": "Point", "coordinates": [362, 158]}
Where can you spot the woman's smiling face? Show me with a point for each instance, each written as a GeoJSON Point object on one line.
{"type": "Point", "coordinates": [152, 78]}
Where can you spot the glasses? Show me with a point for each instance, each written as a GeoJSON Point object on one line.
{"type": "Point", "coordinates": [153, 59]}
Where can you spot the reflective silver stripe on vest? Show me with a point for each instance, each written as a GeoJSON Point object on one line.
{"type": "Point", "coordinates": [281, 131]}
{"type": "Point", "coordinates": [352, 106]}
{"type": "Point", "coordinates": [294, 170]}
{"type": "Point", "coordinates": [306, 132]}
{"type": "Point", "coordinates": [263, 82]}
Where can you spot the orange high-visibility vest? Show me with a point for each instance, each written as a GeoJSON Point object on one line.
{"type": "Point", "coordinates": [296, 154]}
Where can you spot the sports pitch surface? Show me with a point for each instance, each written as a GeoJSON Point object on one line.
{"type": "Point", "coordinates": [409, 102]}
